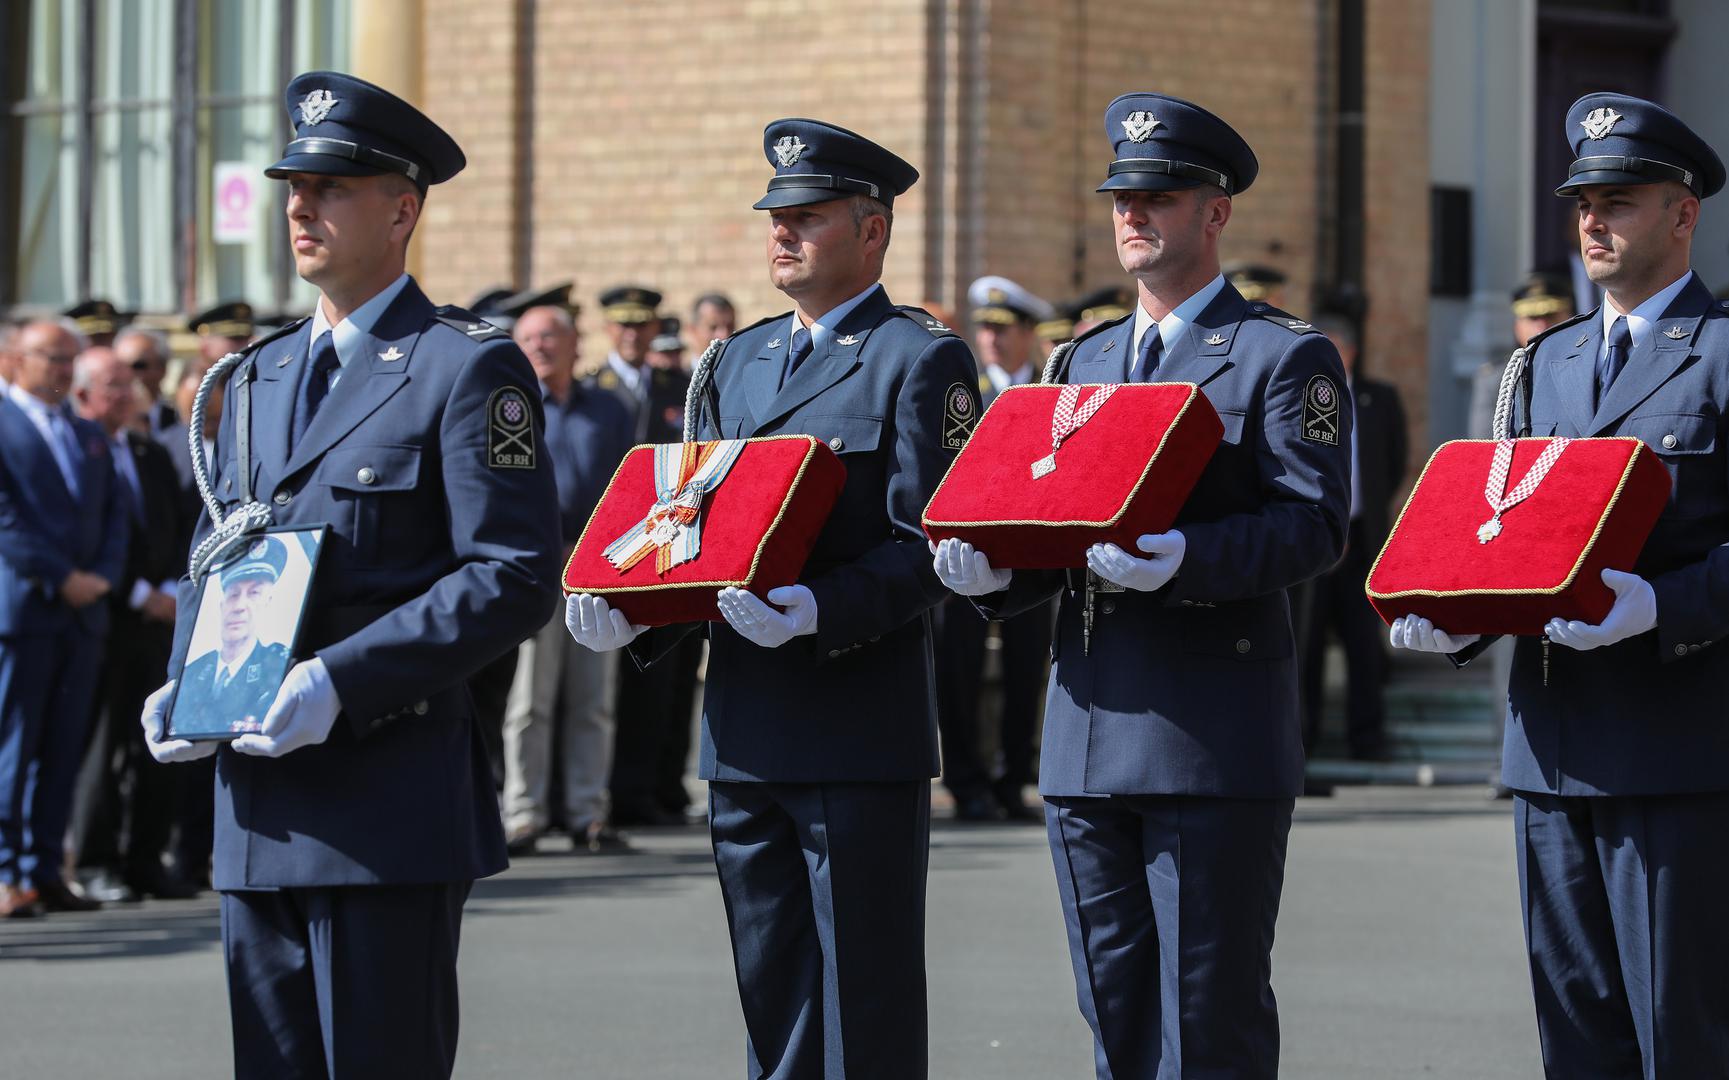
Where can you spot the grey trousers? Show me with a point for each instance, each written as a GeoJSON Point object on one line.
{"type": "Point", "coordinates": [558, 682]}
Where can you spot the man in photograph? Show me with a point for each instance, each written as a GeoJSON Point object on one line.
{"type": "Point", "coordinates": [230, 687]}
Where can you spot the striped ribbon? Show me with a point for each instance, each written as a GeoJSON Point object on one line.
{"type": "Point", "coordinates": [684, 475]}
{"type": "Point", "coordinates": [1495, 491]}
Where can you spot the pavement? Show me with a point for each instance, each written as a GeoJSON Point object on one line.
{"type": "Point", "coordinates": [1398, 956]}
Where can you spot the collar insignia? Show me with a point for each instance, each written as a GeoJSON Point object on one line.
{"type": "Point", "coordinates": [314, 107]}
{"type": "Point", "coordinates": [776, 343]}
{"type": "Point", "coordinates": [788, 149]}
{"type": "Point", "coordinates": [1216, 339]}
{"type": "Point", "coordinates": [1674, 333]}
{"type": "Point", "coordinates": [850, 339]}
{"type": "Point", "coordinates": [285, 361]}
{"type": "Point", "coordinates": [1583, 338]}
{"type": "Point", "coordinates": [1599, 122]}
{"type": "Point", "coordinates": [1139, 125]}
{"type": "Point", "coordinates": [393, 354]}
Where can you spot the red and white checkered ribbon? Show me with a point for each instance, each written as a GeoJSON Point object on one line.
{"type": "Point", "coordinates": [1069, 419]}
{"type": "Point", "coordinates": [1495, 491]}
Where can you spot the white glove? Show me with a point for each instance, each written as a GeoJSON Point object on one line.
{"type": "Point", "coordinates": [302, 714]}
{"type": "Point", "coordinates": [965, 570]}
{"type": "Point", "coordinates": [1142, 575]}
{"type": "Point", "coordinates": [1419, 635]}
{"type": "Point", "coordinates": [1635, 612]}
{"type": "Point", "coordinates": [595, 626]}
{"type": "Point", "coordinates": [172, 749]}
{"type": "Point", "coordinates": [762, 625]}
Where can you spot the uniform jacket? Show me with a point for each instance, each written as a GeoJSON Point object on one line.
{"type": "Point", "coordinates": [242, 703]}
{"type": "Point", "coordinates": [1193, 689]}
{"type": "Point", "coordinates": [1643, 716]}
{"type": "Point", "coordinates": [46, 533]}
{"type": "Point", "coordinates": [659, 416]}
{"type": "Point", "coordinates": [855, 701]}
{"type": "Point", "coordinates": [435, 563]}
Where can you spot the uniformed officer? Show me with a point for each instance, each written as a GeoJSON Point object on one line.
{"type": "Point", "coordinates": [1004, 316]}
{"type": "Point", "coordinates": [350, 828]}
{"type": "Point", "coordinates": [1060, 327]}
{"type": "Point", "coordinates": [98, 320]}
{"type": "Point", "coordinates": [1172, 751]}
{"type": "Point", "coordinates": [223, 329]}
{"type": "Point", "coordinates": [231, 687]}
{"type": "Point", "coordinates": [818, 739]}
{"type": "Point", "coordinates": [1102, 305]}
{"type": "Point", "coordinates": [1257, 281]}
{"type": "Point", "coordinates": [1616, 747]}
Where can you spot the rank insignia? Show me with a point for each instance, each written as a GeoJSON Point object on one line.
{"type": "Point", "coordinates": [776, 343]}
{"type": "Point", "coordinates": [1583, 338]}
{"type": "Point", "coordinates": [1321, 411]}
{"type": "Point", "coordinates": [1599, 122]}
{"type": "Point", "coordinates": [850, 339]}
{"type": "Point", "coordinates": [314, 107]}
{"type": "Point", "coordinates": [510, 430]}
{"type": "Point", "coordinates": [1216, 340]}
{"type": "Point", "coordinates": [960, 416]}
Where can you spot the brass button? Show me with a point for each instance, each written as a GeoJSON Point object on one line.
{"type": "Point", "coordinates": [281, 498]}
{"type": "Point", "coordinates": [420, 708]}
{"type": "Point", "coordinates": [837, 444]}
{"type": "Point", "coordinates": [1243, 645]}
{"type": "Point", "coordinates": [1680, 650]}
{"type": "Point", "coordinates": [366, 475]}
{"type": "Point", "coordinates": [1669, 442]}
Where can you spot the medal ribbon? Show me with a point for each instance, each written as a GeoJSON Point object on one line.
{"type": "Point", "coordinates": [684, 475]}
{"type": "Point", "coordinates": [1495, 491]}
{"type": "Point", "coordinates": [1068, 419]}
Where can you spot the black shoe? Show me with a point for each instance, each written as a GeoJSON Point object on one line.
{"type": "Point", "coordinates": [109, 888]}
{"type": "Point", "coordinates": [648, 817]}
{"type": "Point", "coordinates": [56, 896]}
{"type": "Point", "coordinates": [1014, 805]}
{"type": "Point", "coordinates": [161, 885]}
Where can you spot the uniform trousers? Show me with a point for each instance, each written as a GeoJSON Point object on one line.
{"type": "Point", "coordinates": [343, 981]}
{"type": "Point", "coordinates": [558, 684]}
{"type": "Point", "coordinates": [825, 899]}
{"type": "Point", "coordinates": [1625, 929]}
{"type": "Point", "coordinates": [1170, 902]}
{"type": "Point", "coordinates": [47, 683]}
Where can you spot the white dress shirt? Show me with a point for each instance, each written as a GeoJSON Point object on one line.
{"type": "Point", "coordinates": [1641, 318]}
{"type": "Point", "coordinates": [1172, 325]}
{"type": "Point", "coordinates": [350, 334]}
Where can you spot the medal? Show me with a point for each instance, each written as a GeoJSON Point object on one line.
{"type": "Point", "coordinates": [1495, 491]}
{"type": "Point", "coordinates": [1068, 418]}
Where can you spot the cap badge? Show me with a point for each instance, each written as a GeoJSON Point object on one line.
{"type": "Point", "coordinates": [788, 149]}
{"type": "Point", "coordinates": [1599, 122]}
{"type": "Point", "coordinates": [1674, 333]}
{"type": "Point", "coordinates": [393, 353]}
{"type": "Point", "coordinates": [1139, 125]}
{"type": "Point", "coordinates": [314, 107]}
{"type": "Point", "coordinates": [1216, 339]}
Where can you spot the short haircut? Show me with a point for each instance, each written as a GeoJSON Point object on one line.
{"type": "Point", "coordinates": [863, 206]}
{"type": "Point", "coordinates": [713, 299]}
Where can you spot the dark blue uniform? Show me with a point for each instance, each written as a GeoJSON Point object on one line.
{"type": "Point", "coordinates": [1619, 755]}
{"type": "Point", "coordinates": [819, 753]}
{"type": "Point", "coordinates": [344, 865]}
{"type": "Point", "coordinates": [1172, 746]}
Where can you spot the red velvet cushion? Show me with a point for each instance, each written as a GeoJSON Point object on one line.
{"type": "Point", "coordinates": [1593, 511]}
{"type": "Point", "coordinates": [1126, 472]}
{"type": "Point", "coordinates": [758, 527]}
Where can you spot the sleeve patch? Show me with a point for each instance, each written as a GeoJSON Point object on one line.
{"type": "Point", "coordinates": [1321, 411]}
{"type": "Point", "coordinates": [510, 430]}
{"type": "Point", "coordinates": [960, 415]}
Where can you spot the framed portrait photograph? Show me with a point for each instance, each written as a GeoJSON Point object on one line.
{"type": "Point", "coordinates": [249, 612]}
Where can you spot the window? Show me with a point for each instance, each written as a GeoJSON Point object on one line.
{"type": "Point", "coordinates": [119, 114]}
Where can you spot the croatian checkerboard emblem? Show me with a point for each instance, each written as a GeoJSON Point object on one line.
{"type": "Point", "coordinates": [788, 149]}
{"type": "Point", "coordinates": [960, 416]}
{"type": "Point", "coordinates": [1321, 411]}
{"type": "Point", "coordinates": [1599, 122]}
{"type": "Point", "coordinates": [314, 107]}
{"type": "Point", "coordinates": [1139, 125]}
{"type": "Point", "coordinates": [510, 430]}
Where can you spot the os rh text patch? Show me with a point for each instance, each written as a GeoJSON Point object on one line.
{"type": "Point", "coordinates": [510, 430]}
{"type": "Point", "coordinates": [960, 416]}
{"type": "Point", "coordinates": [1321, 411]}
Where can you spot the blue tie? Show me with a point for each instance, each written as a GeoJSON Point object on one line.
{"type": "Point", "coordinates": [70, 453]}
{"type": "Point", "coordinates": [795, 355]}
{"type": "Point", "coordinates": [314, 385]}
{"type": "Point", "coordinates": [1614, 357]}
{"type": "Point", "coordinates": [1147, 360]}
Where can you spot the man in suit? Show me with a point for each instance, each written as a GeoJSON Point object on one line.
{"type": "Point", "coordinates": [125, 805]}
{"type": "Point", "coordinates": [818, 734]}
{"type": "Point", "coordinates": [712, 318]}
{"type": "Point", "coordinates": [1172, 751]}
{"type": "Point", "coordinates": [350, 828]}
{"type": "Point", "coordinates": [1337, 605]}
{"type": "Point", "coordinates": [1005, 317]}
{"type": "Point", "coordinates": [62, 548]}
{"type": "Point", "coordinates": [1616, 747]}
{"type": "Point", "coordinates": [145, 352]}
{"type": "Point", "coordinates": [230, 688]}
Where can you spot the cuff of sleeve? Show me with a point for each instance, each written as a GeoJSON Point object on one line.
{"type": "Point", "coordinates": [141, 591]}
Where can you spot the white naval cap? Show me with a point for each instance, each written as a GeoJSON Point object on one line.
{"type": "Point", "coordinates": [996, 299]}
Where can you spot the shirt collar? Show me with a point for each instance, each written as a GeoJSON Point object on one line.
{"type": "Point", "coordinates": [1640, 319]}
{"type": "Point", "coordinates": [35, 406]}
{"type": "Point", "coordinates": [819, 329]}
{"type": "Point", "coordinates": [347, 334]}
{"type": "Point", "coordinates": [630, 375]}
{"type": "Point", "coordinates": [1171, 326]}
{"type": "Point", "coordinates": [1001, 380]}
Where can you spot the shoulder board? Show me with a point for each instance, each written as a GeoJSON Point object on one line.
{"type": "Point", "coordinates": [1281, 318]}
{"type": "Point", "coordinates": [925, 319]}
{"type": "Point", "coordinates": [1099, 329]}
{"type": "Point", "coordinates": [1530, 346]}
{"type": "Point", "coordinates": [281, 332]}
{"type": "Point", "coordinates": [469, 324]}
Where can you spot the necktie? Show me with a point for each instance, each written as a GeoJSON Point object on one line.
{"type": "Point", "coordinates": [67, 454]}
{"type": "Point", "coordinates": [1614, 357]}
{"type": "Point", "coordinates": [129, 485]}
{"type": "Point", "coordinates": [313, 387]}
{"type": "Point", "coordinates": [1147, 359]}
{"type": "Point", "coordinates": [796, 353]}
